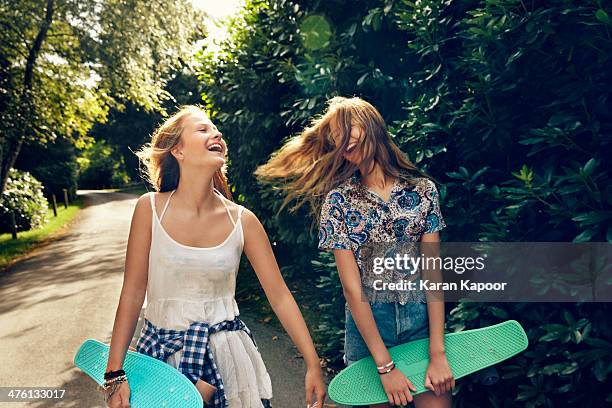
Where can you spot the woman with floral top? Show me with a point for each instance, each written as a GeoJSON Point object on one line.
{"type": "Point", "coordinates": [373, 197]}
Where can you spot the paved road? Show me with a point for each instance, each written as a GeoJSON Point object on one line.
{"type": "Point", "coordinates": [68, 291]}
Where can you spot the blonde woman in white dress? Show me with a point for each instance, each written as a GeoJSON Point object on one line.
{"type": "Point", "coordinates": [183, 253]}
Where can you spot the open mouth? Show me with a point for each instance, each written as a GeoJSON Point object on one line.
{"type": "Point", "coordinates": [351, 147]}
{"type": "Point", "coordinates": [216, 148]}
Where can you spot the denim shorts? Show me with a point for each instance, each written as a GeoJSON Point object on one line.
{"type": "Point", "coordinates": [396, 323]}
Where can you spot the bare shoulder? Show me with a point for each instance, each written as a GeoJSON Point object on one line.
{"type": "Point", "coordinates": [251, 225]}
{"type": "Point", "coordinates": [249, 218]}
{"type": "Point", "coordinates": [141, 219]}
{"type": "Point", "coordinates": [143, 204]}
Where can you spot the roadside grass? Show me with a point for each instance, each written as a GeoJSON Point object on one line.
{"type": "Point", "coordinates": [13, 249]}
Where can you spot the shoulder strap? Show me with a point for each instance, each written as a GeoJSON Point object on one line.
{"type": "Point", "coordinates": [240, 210]}
{"type": "Point", "coordinates": [226, 207]}
{"type": "Point", "coordinates": [161, 216]}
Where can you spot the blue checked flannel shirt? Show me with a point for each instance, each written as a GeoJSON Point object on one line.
{"type": "Point", "coordinates": [197, 360]}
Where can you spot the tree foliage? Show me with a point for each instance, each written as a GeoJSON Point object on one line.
{"type": "Point", "coordinates": [127, 129]}
{"type": "Point", "coordinates": [66, 62]}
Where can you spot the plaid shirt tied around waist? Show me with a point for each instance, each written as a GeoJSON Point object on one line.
{"type": "Point", "coordinates": [197, 360]}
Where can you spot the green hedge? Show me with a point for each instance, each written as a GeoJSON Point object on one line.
{"type": "Point", "coordinates": [505, 102]}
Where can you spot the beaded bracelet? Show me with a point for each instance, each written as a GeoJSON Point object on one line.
{"type": "Point", "coordinates": [116, 379]}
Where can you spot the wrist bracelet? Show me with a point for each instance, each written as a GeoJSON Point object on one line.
{"type": "Point", "coordinates": [388, 370]}
{"type": "Point", "coordinates": [112, 374]}
{"type": "Point", "coordinates": [389, 364]}
{"type": "Point", "coordinates": [116, 379]}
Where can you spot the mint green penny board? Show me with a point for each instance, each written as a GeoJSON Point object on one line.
{"type": "Point", "coordinates": [467, 352]}
{"type": "Point", "coordinates": [153, 383]}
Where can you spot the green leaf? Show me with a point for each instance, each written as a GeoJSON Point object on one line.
{"type": "Point", "coordinates": [499, 313]}
{"type": "Point", "coordinates": [531, 140]}
{"type": "Point", "coordinates": [593, 217]}
{"type": "Point", "coordinates": [588, 168]}
{"type": "Point", "coordinates": [585, 236]}
{"type": "Point", "coordinates": [602, 16]}
{"type": "Point", "coordinates": [362, 78]}
{"type": "Point", "coordinates": [568, 317]}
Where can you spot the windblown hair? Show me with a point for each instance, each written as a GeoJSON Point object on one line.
{"type": "Point", "coordinates": [310, 164]}
{"type": "Point", "coordinates": [159, 167]}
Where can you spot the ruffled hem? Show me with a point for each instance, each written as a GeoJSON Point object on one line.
{"type": "Point", "coordinates": [245, 378]}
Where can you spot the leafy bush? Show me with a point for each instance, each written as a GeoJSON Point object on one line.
{"type": "Point", "coordinates": [567, 362]}
{"type": "Point", "coordinates": [101, 167]}
{"type": "Point", "coordinates": [510, 102]}
{"type": "Point", "coordinates": [54, 164]}
{"type": "Point", "coordinates": [24, 198]}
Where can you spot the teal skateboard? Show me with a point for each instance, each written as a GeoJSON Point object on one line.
{"type": "Point", "coordinates": [467, 352]}
{"type": "Point", "coordinates": [153, 383]}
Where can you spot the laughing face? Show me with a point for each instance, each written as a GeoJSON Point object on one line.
{"type": "Point", "coordinates": [201, 143]}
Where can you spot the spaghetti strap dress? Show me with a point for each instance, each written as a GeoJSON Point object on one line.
{"type": "Point", "coordinates": [188, 284]}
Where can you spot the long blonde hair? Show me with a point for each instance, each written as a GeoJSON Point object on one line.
{"type": "Point", "coordinates": [159, 167]}
{"type": "Point", "coordinates": [310, 164]}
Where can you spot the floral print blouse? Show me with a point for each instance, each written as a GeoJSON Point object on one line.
{"type": "Point", "coordinates": [353, 216]}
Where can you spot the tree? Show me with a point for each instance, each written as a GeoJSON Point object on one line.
{"type": "Point", "coordinates": [129, 128]}
{"type": "Point", "coordinates": [65, 63]}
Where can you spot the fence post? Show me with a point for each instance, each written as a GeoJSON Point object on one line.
{"type": "Point", "coordinates": [54, 204]}
{"type": "Point", "coordinates": [13, 226]}
{"type": "Point", "coordinates": [65, 197]}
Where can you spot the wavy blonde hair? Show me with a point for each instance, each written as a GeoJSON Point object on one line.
{"type": "Point", "coordinates": [159, 167]}
{"type": "Point", "coordinates": [310, 164]}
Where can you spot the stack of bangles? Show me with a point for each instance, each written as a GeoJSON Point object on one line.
{"type": "Point", "coordinates": [387, 368]}
{"type": "Point", "coordinates": [112, 380]}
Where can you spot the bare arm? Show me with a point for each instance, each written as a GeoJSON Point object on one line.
{"type": "Point", "coordinates": [259, 252]}
{"type": "Point", "coordinates": [439, 377]}
{"type": "Point", "coordinates": [435, 299]}
{"type": "Point", "coordinates": [134, 283]}
{"type": "Point", "coordinates": [396, 385]}
{"type": "Point", "coordinates": [360, 309]}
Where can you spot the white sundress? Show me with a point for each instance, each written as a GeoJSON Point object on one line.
{"type": "Point", "coordinates": [188, 284]}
